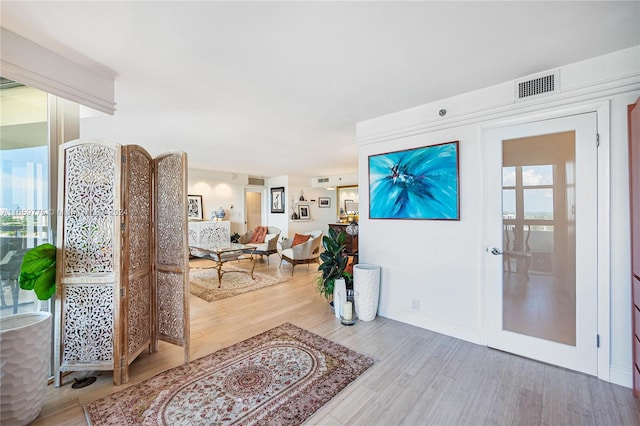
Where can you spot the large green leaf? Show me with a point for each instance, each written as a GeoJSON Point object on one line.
{"type": "Point", "coordinates": [38, 271]}
{"type": "Point", "coordinates": [39, 259]}
{"type": "Point", "coordinates": [45, 285]}
{"type": "Point", "coordinates": [334, 261]}
{"type": "Point", "coordinates": [326, 257]}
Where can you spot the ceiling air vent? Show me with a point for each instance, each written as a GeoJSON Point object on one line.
{"type": "Point", "coordinates": [5, 83]}
{"type": "Point", "coordinates": [536, 86]}
{"type": "Point", "coordinates": [256, 181]}
{"type": "Point", "coordinates": [323, 180]}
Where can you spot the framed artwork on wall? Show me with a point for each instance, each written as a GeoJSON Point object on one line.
{"type": "Point", "coordinates": [418, 183]}
{"type": "Point", "coordinates": [277, 200]}
{"type": "Point", "coordinates": [195, 207]}
{"type": "Point", "coordinates": [303, 212]}
{"type": "Point", "coordinates": [346, 193]}
{"type": "Point", "coordinates": [324, 202]}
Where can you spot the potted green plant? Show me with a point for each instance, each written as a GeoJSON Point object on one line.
{"type": "Point", "coordinates": [26, 342]}
{"type": "Point", "coordinates": [334, 262]}
{"type": "Point", "coordinates": [38, 271]}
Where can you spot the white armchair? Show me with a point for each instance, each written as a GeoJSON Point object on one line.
{"type": "Point", "coordinates": [307, 252]}
{"type": "Point", "coordinates": [266, 248]}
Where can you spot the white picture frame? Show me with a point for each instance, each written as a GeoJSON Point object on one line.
{"type": "Point", "coordinates": [194, 206]}
{"type": "Point", "coordinates": [304, 212]}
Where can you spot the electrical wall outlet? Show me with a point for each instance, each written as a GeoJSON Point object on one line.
{"type": "Point", "coordinates": [415, 304]}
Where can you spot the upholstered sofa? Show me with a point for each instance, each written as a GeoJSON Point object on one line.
{"type": "Point", "coordinates": [265, 248]}
{"type": "Point", "coordinates": [306, 252]}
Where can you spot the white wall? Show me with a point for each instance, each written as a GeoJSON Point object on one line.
{"type": "Point", "coordinates": [320, 217]}
{"type": "Point", "coordinates": [436, 262]}
{"type": "Point", "coordinates": [280, 220]}
{"type": "Point", "coordinates": [441, 262]}
{"type": "Point", "coordinates": [294, 187]}
{"type": "Point", "coordinates": [220, 190]}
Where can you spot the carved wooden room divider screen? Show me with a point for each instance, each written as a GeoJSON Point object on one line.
{"type": "Point", "coordinates": [116, 247]}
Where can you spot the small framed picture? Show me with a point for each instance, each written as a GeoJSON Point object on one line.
{"type": "Point", "coordinates": [195, 207]}
{"type": "Point", "coordinates": [324, 202]}
{"type": "Point", "coordinates": [303, 212]}
{"type": "Point", "coordinates": [277, 200]}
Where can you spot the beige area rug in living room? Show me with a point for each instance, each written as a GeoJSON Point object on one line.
{"type": "Point", "coordinates": [279, 377]}
{"type": "Point", "coordinates": [204, 282]}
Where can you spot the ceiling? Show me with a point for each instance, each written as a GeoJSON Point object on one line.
{"type": "Point", "coordinates": [275, 88]}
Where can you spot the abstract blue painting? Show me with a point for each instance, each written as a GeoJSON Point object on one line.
{"type": "Point", "coordinates": [419, 183]}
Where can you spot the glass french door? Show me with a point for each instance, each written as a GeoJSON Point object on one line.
{"type": "Point", "coordinates": [25, 208]}
{"type": "Point", "coordinates": [542, 228]}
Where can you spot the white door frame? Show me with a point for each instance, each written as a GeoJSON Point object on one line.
{"type": "Point", "coordinates": [602, 110]}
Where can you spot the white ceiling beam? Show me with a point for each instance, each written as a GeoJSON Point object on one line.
{"type": "Point", "coordinates": [33, 65]}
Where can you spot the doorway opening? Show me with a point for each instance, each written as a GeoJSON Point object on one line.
{"type": "Point", "coordinates": [253, 209]}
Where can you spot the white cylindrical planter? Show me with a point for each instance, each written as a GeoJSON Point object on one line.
{"type": "Point", "coordinates": [339, 287]}
{"type": "Point", "coordinates": [25, 354]}
{"type": "Point", "coordinates": [366, 283]}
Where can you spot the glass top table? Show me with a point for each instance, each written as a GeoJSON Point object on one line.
{"type": "Point", "coordinates": [222, 253]}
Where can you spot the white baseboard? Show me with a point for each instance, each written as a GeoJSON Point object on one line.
{"type": "Point", "coordinates": [622, 376]}
{"type": "Point", "coordinates": [439, 326]}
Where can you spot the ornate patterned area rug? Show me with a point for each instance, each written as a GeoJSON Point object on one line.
{"type": "Point", "coordinates": [204, 282]}
{"type": "Point", "coordinates": [279, 377]}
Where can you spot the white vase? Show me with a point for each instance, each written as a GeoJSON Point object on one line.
{"type": "Point", "coordinates": [366, 283]}
{"type": "Point", "coordinates": [25, 351]}
{"type": "Point", "coordinates": [339, 286]}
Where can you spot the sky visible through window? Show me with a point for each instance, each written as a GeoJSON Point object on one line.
{"type": "Point", "coordinates": [537, 191]}
{"type": "Point", "coordinates": [24, 179]}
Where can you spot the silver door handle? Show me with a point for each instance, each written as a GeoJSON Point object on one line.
{"type": "Point", "coordinates": [496, 251]}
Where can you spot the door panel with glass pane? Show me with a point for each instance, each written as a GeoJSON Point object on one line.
{"type": "Point", "coordinates": [540, 303]}
{"type": "Point", "coordinates": [538, 299]}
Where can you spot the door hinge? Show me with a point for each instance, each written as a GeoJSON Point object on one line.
{"type": "Point", "coordinates": [122, 226]}
{"type": "Point", "coordinates": [123, 292]}
{"type": "Point", "coordinates": [597, 340]}
{"type": "Point", "coordinates": [597, 140]}
{"type": "Point", "coordinates": [122, 362]}
{"type": "Point", "coordinates": [123, 158]}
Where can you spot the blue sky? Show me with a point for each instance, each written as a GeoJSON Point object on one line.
{"type": "Point", "coordinates": [17, 190]}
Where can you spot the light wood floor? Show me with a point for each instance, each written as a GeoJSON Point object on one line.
{"type": "Point", "coordinates": [539, 307]}
{"type": "Point", "coordinates": [419, 378]}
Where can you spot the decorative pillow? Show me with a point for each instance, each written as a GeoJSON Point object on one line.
{"type": "Point", "coordinates": [258, 234]}
{"type": "Point", "coordinates": [300, 239]}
